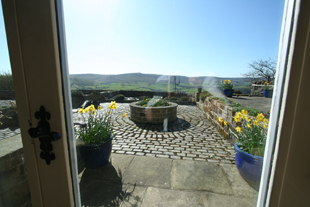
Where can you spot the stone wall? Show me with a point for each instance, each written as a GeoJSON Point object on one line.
{"type": "Point", "coordinates": [7, 95]}
{"type": "Point", "coordinates": [258, 89]}
{"type": "Point", "coordinates": [101, 95]}
{"type": "Point", "coordinates": [214, 109]}
{"type": "Point", "coordinates": [14, 190]}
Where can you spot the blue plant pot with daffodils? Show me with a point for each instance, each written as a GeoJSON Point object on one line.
{"type": "Point", "coordinates": [96, 156]}
{"type": "Point", "coordinates": [249, 167]}
{"type": "Point", "coordinates": [228, 92]}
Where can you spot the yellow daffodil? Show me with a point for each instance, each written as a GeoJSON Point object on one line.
{"type": "Point", "coordinates": [144, 105]}
{"type": "Point", "coordinates": [91, 108]}
{"type": "Point", "coordinates": [86, 110]}
{"type": "Point", "coordinates": [221, 82]}
{"type": "Point", "coordinates": [220, 119]}
{"type": "Point", "coordinates": [108, 112]}
{"type": "Point", "coordinates": [249, 126]}
{"type": "Point", "coordinates": [237, 119]}
{"type": "Point", "coordinates": [239, 115]}
{"type": "Point", "coordinates": [238, 129]}
{"type": "Point", "coordinates": [256, 123]}
{"type": "Point", "coordinates": [266, 121]}
{"type": "Point", "coordinates": [81, 110]}
{"type": "Point", "coordinates": [260, 117]}
{"type": "Point", "coordinates": [161, 97]}
{"type": "Point", "coordinates": [124, 115]}
{"type": "Point", "coordinates": [247, 118]}
{"type": "Point", "coordinates": [94, 112]}
{"type": "Point", "coordinates": [244, 112]}
{"type": "Point", "coordinates": [225, 123]}
{"type": "Point", "coordinates": [265, 126]}
{"type": "Point", "coordinates": [99, 107]}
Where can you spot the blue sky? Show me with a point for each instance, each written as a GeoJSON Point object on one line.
{"type": "Point", "coordinates": [170, 37]}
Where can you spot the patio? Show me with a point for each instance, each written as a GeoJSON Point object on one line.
{"type": "Point", "coordinates": [188, 165]}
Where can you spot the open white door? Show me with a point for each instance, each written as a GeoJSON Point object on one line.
{"type": "Point", "coordinates": [32, 35]}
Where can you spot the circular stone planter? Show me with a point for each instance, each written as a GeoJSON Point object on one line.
{"type": "Point", "coordinates": [153, 115]}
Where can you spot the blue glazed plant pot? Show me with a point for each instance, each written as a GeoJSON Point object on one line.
{"type": "Point", "coordinates": [228, 92]}
{"type": "Point", "coordinates": [96, 156]}
{"type": "Point", "coordinates": [249, 167]}
{"type": "Point", "coordinates": [268, 93]}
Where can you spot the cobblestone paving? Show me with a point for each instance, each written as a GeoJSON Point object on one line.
{"type": "Point", "coordinates": [191, 137]}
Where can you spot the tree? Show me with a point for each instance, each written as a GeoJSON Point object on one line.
{"type": "Point", "coordinates": [262, 69]}
{"type": "Point", "coordinates": [6, 81]}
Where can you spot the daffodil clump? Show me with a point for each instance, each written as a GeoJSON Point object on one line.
{"type": "Point", "coordinates": [251, 133]}
{"type": "Point", "coordinates": [98, 128]}
{"type": "Point", "coordinates": [227, 84]}
{"type": "Point", "coordinates": [266, 86]}
{"type": "Point", "coordinates": [221, 121]}
{"type": "Point", "coordinates": [153, 102]}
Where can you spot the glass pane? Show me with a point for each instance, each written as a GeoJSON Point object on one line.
{"type": "Point", "coordinates": [190, 80]}
{"type": "Point", "coordinates": [14, 190]}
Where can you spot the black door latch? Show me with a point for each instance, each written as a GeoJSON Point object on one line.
{"type": "Point", "coordinates": [42, 131]}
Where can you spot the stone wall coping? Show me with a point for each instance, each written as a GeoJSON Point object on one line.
{"type": "Point", "coordinates": [10, 145]}
{"type": "Point", "coordinates": [134, 104]}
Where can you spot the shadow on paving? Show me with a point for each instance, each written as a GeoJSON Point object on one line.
{"type": "Point", "coordinates": [104, 187]}
{"type": "Point", "coordinates": [178, 125]}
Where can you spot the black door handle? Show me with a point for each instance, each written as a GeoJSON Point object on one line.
{"type": "Point", "coordinates": [42, 131]}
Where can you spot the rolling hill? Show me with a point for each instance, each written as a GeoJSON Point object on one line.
{"type": "Point", "coordinates": [152, 82]}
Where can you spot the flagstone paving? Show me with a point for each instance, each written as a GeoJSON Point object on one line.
{"type": "Point", "coordinates": [191, 137]}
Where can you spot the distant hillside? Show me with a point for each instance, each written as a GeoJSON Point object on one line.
{"type": "Point", "coordinates": [152, 82]}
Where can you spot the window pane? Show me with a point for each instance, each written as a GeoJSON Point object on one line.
{"type": "Point", "coordinates": [170, 66]}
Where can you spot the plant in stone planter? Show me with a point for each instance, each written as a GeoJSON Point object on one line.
{"type": "Point", "coordinates": [251, 134]}
{"type": "Point", "coordinates": [153, 102]}
{"type": "Point", "coordinates": [227, 86]}
{"type": "Point", "coordinates": [96, 133]}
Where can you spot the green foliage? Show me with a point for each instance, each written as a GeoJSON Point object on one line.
{"type": "Point", "coordinates": [213, 98]}
{"type": "Point", "coordinates": [8, 115]}
{"type": "Point", "coordinates": [233, 104]}
{"type": "Point", "coordinates": [184, 98]}
{"type": "Point", "coordinates": [251, 111]}
{"type": "Point", "coordinates": [227, 84]}
{"type": "Point", "coordinates": [153, 102]}
{"type": "Point", "coordinates": [142, 97]}
{"type": "Point", "coordinates": [172, 98]}
{"type": "Point", "coordinates": [98, 128]}
{"type": "Point", "coordinates": [251, 133]}
{"type": "Point", "coordinates": [204, 95]}
{"type": "Point", "coordinates": [119, 97]}
{"type": "Point", "coordinates": [77, 93]}
{"type": "Point", "coordinates": [6, 81]}
{"type": "Point", "coordinates": [237, 92]}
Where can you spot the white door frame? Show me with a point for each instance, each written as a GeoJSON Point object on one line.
{"type": "Point", "coordinates": [32, 35]}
